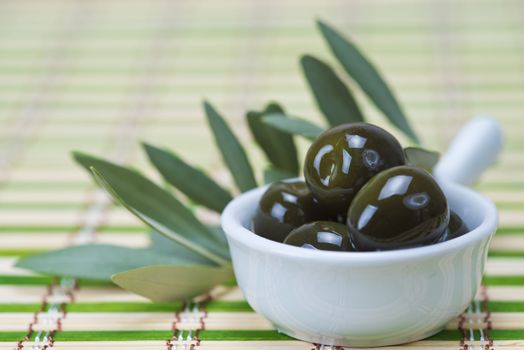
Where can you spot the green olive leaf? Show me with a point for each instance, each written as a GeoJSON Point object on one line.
{"type": "Point", "coordinates": [232, 152]}
{"type": "Point", "coordinates": [368, 78]}
{"type": "Point", "coordinates": [192, 182]}
{"type": "Point", "coordinates": [166, 283]}
{"type": "Point", "coordinates": [164, 245]}
{"type": "Point", "coordinates": [161, 216]}
{"type": "Point", "coordinates": [272, 174]}
{"type": "Point", "coordinates": [156, 207]}
{"type": "Point", "coordinates": [293, 126]}
{"type": "Point", "coordinates": [219, 234]}
{"type": "Point", "coordinates": [100, 261]}
{"type": "Point", "coordinates": [422, 158]}
{"type": "Point", "coordinates": [333, 97]}
{"type": "Point", "coordinates": [278, 146]}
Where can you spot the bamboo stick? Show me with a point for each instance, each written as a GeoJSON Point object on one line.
{"type": "Point", "coordinates": [31, 294]}
{"type": "Point", "coordinates": [256, 345]}
{"type": "Point", "coordinates": [213, 321]}
{"type": "Point", "coordinates": [507, 243]}
{"type": "Point", "coordinates": [61, 240]}
{"type": "Point", "coordinates": [64, 217]}
{"type": "Point", "coordinates": [155, 345]}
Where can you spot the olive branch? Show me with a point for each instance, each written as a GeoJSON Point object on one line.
{"type": "Point", "coordinates": [187, 257]}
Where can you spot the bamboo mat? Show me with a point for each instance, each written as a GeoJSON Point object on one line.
{"type": "Point", "coordinates": [99, 76]}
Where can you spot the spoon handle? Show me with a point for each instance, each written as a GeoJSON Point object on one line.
{"type": "Point", "coordinates": [474, 148]}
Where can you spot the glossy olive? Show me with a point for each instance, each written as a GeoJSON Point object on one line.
{"type": "Point", "coordinates": [456, 228]}
{"type": "Point", "coordinates": [321, 235]}
{"type": "Point", "coordinates": [342, 159]}
{"type": "Point", "coordinates": [283, 207]}
{"type": "Point", "coordinates": [400, 207]}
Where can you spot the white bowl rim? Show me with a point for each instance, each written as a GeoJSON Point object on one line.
{"type": "Point", "coordinates": [231, 221]}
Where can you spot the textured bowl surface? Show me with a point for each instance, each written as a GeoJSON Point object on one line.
{"type": "Point", "coordinates": [361, 298]}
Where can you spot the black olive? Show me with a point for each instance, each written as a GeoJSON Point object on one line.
{"type": "Point", "coordinates": [399, 208]}
{"type": "Point", "coordinates": [283, 207]}
{"type": "Point", "coordinates": [321, 235]}
{"type": "Point", "coordinates": [342, 159]}
{"type": "Point", "coordinates": [456, 228]}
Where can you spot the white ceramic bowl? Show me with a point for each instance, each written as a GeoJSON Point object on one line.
{"type": "Point", "coordinates": [361, 298]}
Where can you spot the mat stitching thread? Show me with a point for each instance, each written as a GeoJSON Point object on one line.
{"type": "Point", "coordinates": [52, 317]}
{"type": "Point", "coordinates": [202, 320]}
{"type": "Point", "coordinates": [487, 317]}
{"type": "Point", "coordinates": [42, 308]}
{"type": "Point", "coordinates": [188, 339]}
{"type": "Point", "coordinates": [55, 312]}
{"type": "Point", "coordinates": [477, 316]}
{"type": "Point", "coordinates": [174, 327]}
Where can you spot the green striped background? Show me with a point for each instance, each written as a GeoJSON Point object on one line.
{"type": "Point", "coordinates": [74, 73]}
